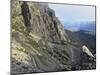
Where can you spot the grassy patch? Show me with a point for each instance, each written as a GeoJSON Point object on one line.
{"type": "Point", "coordinates": [20, 49]}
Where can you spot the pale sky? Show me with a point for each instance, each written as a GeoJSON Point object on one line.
{"type": "Point", "coordinates": [74, 13]}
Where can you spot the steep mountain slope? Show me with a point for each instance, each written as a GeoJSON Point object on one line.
{"type": "Point", "coordinates": [39, 42]}
{"type": "Point", "coordinates": [83, 38]}
{"type": "Point", "coordinates": [37, 37]}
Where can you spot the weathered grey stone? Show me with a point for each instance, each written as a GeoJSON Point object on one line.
{"type": "Point", "coordinates": [39, 41]}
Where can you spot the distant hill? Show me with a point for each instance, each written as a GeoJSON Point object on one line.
{"type": "Point", "coordinates": [86, 26]}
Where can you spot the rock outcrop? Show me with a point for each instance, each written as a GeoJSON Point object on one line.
{"type": "Point", "coordinates": [38, 38]}
{"type": "Point", "coordinates": [39, 42]}
{"type": "Point", "coordinates": [87, 51]}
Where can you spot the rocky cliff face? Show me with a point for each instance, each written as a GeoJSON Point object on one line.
{"type": "Point", "coordinates": [39, 42]}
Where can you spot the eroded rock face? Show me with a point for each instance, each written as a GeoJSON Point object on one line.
{"type": "Point", "coordinates": [39, 42]}
{"type": "Point", "coordinates": [38, 38]}
{"type": "Point", "coordinates": [40, 20]}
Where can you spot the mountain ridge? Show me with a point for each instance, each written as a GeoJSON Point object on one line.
{"type": "Point", "coordinates": [39, 41]}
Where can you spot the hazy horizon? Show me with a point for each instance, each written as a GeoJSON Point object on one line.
{"type": "Point", "coordinates": [73, 13]}
{"type": "Point", "coordinates": [75, 17]}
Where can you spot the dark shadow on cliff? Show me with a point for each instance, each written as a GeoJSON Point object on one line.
{"type": "Point", "coordinates": [26, 15]}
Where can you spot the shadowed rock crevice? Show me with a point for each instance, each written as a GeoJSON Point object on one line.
{"type": "Point", "coordinates": [26, 15]}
